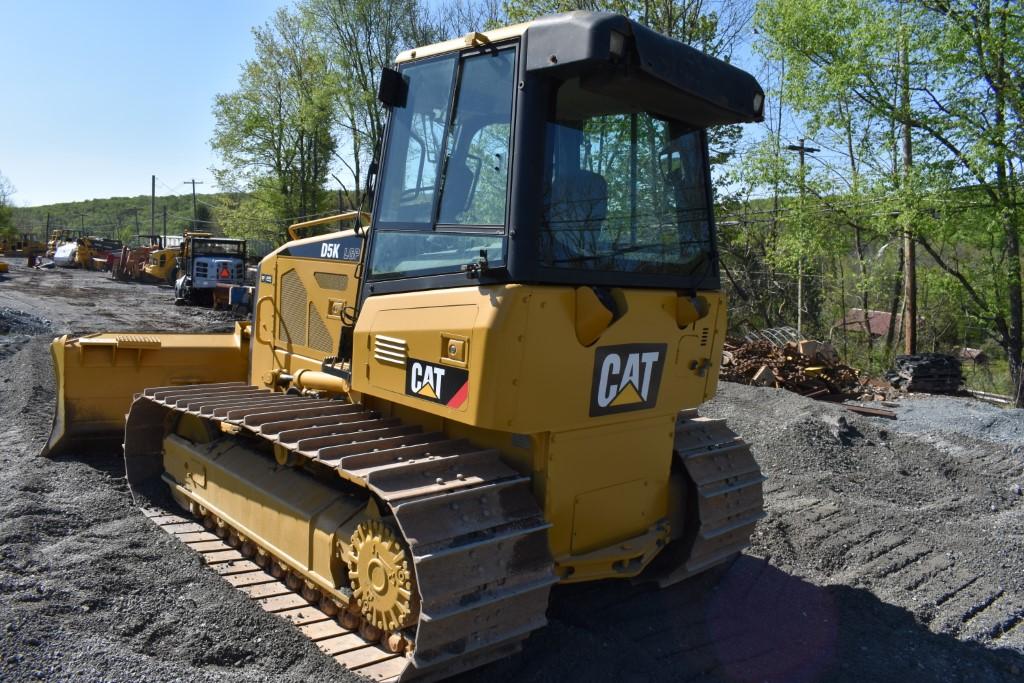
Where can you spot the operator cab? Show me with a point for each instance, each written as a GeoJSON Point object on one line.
{"type": "Point", "coordinates": [571, 150]}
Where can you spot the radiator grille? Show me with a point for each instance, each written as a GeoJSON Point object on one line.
{"type": "Point", "coordinates": [335, 281]}
{"type": "Point", "coordinates": [292, 325]}
{"type": "Point", "coordinates": [390, 350]}
{"type": "Point", "coordinates": [319, 336]}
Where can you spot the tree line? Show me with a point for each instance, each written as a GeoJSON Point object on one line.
{"type": "Point", "coordinates": [116, 217]}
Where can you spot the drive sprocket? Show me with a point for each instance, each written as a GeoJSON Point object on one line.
{"type": "Point", "coordinates": [381, 577]}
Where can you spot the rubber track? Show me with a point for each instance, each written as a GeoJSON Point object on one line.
{"type": "Point", "coordinates": [478, 540]}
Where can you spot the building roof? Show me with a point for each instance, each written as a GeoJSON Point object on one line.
{"type": "Point", "coordinates": [878, 322]}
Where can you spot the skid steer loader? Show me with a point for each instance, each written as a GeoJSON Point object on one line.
{"type": "Point", "coordinates": [488, 390]}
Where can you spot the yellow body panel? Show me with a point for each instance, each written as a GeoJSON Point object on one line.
{"type": "Point", "coordinates": [160, 265]}
{"type": "Point", "coordinates": [97, 375]}
{"type": "Point", "coordinates": [299, 305]}
{"type": "Point", "coordinates": [604, 480]}
{"type": "Point", "coordinates": [522, 352]}
{"type": "Point", "coordinates": [296, 518]}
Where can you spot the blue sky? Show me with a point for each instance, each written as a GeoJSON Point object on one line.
{"type": "Point", "coordinates": [97, 95]}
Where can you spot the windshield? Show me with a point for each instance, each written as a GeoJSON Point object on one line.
{"type": "Point", "coordinates": [446, 167]}
{"type": "Point", "coordinates": [217, 247]}
{"type": "Point", "coordinates": [625, 191]}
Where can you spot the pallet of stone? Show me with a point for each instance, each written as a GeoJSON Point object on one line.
{"type": "Point", "coordinates": [934, 373]}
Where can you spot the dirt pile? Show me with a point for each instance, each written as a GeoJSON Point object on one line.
{"type": "Point", "coordinates": [17, 322]}
{"type": "Point", "coordinates": [17, 327]}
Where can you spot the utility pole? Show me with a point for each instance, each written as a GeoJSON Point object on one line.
{"type": "Point", "coordinates": [164, 245]}
{"type": "Point", "coordinates": [152, 207]}
{"type": "Point", "coordinates": [909, 251]}
{"type": "Point", "coordinates": [195, 211]}
{"type": "Point", "coordinates": [802, 149]}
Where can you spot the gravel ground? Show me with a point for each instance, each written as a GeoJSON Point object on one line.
{"type": "Point", "coordinates": [892, 550]}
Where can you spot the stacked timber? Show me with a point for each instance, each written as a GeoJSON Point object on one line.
{"type": "Point", "coordinates": [934, 373]}
{"type": "Point", "coordinates": [807, 367]}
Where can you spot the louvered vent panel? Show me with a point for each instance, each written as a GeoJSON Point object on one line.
{"type": "Point", "coordinates": [292, 326]}
{"type": "Point", "coordinates": [704, 336]}
{"type": "Point", "coordinates": [335, 281]}
{"type": "Point", "coordinates": [390, 350]}
{"type": "Point", "coordinates": [319, 336]}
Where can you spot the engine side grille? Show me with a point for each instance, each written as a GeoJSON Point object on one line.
{"type": "Point", "coordinates": [292, 325]}
{"type": "Point", "coordinates": [319, 336]}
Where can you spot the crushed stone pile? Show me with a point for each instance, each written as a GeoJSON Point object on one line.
{"type": "Point", "coordinates": [933, 373]}
{"type": "Point", "coordinates": [16, 322]}
{"type": "Point", "coordinates": [16, 328]}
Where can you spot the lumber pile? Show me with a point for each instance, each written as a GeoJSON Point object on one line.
{"type": "Point", "coordinates": [934, 373]}
{"type": "Point", "coordinates": [807, 367]}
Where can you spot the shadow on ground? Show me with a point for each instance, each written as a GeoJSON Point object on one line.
{"type": "Point", "coordinates": [748, 623]}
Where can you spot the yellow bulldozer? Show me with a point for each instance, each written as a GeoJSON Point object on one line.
{"type": "Point", "coordinates": [489, 389]}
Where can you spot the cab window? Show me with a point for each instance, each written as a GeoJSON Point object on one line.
{"type": "Point", "coordinates": [446, 168]}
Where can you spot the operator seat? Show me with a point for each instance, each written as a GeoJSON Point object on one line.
{"type": "Point", "coordinates": [458, 184]}
{"type": "Point", "coordinates": [574, 215]}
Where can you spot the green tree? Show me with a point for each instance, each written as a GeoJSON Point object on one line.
{"type": "Point", "coordinates": [359, 38]}
{"type": "Point", "coordinates": [250, 217]}
{"type": "Point", "coordinates": [274, 133]}
{"type": "Point", "coordinates": [957, 89]}
{"type": "Point", "coordinates": [6, 213]}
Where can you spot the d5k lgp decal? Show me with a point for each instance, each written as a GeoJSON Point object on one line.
{"type": "Point", "coordinates": [626, 377]}
{"type": "Point", "coordinates": [437, 383]}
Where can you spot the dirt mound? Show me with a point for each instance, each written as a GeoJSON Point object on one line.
{"type": "Point", "coordinates": [16, 322]}
{"type": "Point", "coordinates": [17, 327]}
{"type": "Point", "coordinates": [931, 524]}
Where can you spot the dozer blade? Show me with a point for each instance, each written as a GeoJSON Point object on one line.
{"type": "Point", "coordinates": [98, 375]}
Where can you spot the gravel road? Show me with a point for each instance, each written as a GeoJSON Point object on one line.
{"type": "Point", "coordinates": [892, 550]}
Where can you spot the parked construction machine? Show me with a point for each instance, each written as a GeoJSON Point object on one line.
{"type": "Point", "coordinates": [130, 263]}
{"type": "Point", "coordinates": [161, 266]}
{"type": "Point", "coordinates": [491, 388]}
{"type": "Point", "coordinates": [21, 245]}
{"type": "Point", "coordinates": [204, 262]}
{"type": "Point", "coordinates": [92, 252]}
{"type": "Point", "coordinates": [60, 237]}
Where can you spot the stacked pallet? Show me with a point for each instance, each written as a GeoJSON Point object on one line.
{"type": "Point", "coordinates": [934, 373]}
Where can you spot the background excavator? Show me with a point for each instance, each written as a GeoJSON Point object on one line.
{"type": "Point", "coordinates": [489, 389]}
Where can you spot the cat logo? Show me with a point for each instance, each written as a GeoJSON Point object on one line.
{"type": "Point", "coordinates": [626, 377]}
{"type": "Point", "coordinates": [446, 385]}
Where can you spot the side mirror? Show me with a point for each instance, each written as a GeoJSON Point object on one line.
{"type": "Point", "coordinates": [391, 90]}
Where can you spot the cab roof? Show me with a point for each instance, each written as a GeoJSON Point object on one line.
{"type": "Point", "coordinates": [646, 67]}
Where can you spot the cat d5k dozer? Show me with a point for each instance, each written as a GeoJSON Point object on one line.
{"type": "Point", "coordinates": [489, 389]}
